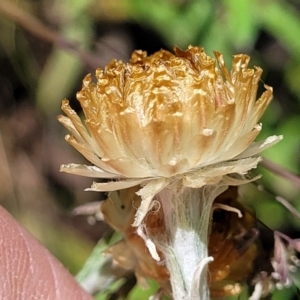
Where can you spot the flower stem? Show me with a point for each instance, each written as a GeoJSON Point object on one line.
{"type": "Point", "coordinates": [187, 213]}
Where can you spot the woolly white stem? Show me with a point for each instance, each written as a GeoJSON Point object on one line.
{"type": "Point", "coordinates": [187, 213]}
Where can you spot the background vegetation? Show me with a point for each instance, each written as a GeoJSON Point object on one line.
{"type": "Point", "coordinates": [42, 65]}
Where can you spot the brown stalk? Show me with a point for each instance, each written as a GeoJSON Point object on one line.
{"type": "Point", "coordinates": [37, 28]}
{"type": "Point", "coordinates": [281, 171]}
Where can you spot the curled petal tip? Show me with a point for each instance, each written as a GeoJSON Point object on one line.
{"type": "Point", "coordinates": [65, 102]}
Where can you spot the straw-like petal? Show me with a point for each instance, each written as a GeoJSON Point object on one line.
{"type": "Point", "coordinates": [147, 194]}
{"type": "Point", "coordinates": [260, 146]}
{"type": "Point", "coordinates": [213, 174]}
{"type": "Point", "coordinates": [113, 185]}
{"type": "Point", "coordinates": [88, 171]}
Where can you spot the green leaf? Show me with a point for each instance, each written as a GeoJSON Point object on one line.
{"type": "Point", "coordinates": [241, 22]}
{"type": "Point", "coordinates": [97, 273]}
{"type": "Point", "coordinates": [63, 68]}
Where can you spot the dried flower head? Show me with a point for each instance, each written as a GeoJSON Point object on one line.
{"type": "Point", "coordinates": [168, 117]}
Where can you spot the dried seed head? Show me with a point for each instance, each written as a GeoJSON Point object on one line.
{"type": "Point", "coordinates": [168, 117]}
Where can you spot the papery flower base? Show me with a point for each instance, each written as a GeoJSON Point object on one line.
{"type": "Point", "coordinates": [184, 243]}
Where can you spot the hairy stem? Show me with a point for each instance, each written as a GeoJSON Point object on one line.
{"type": "Point", "coordinates": [187, 213]}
